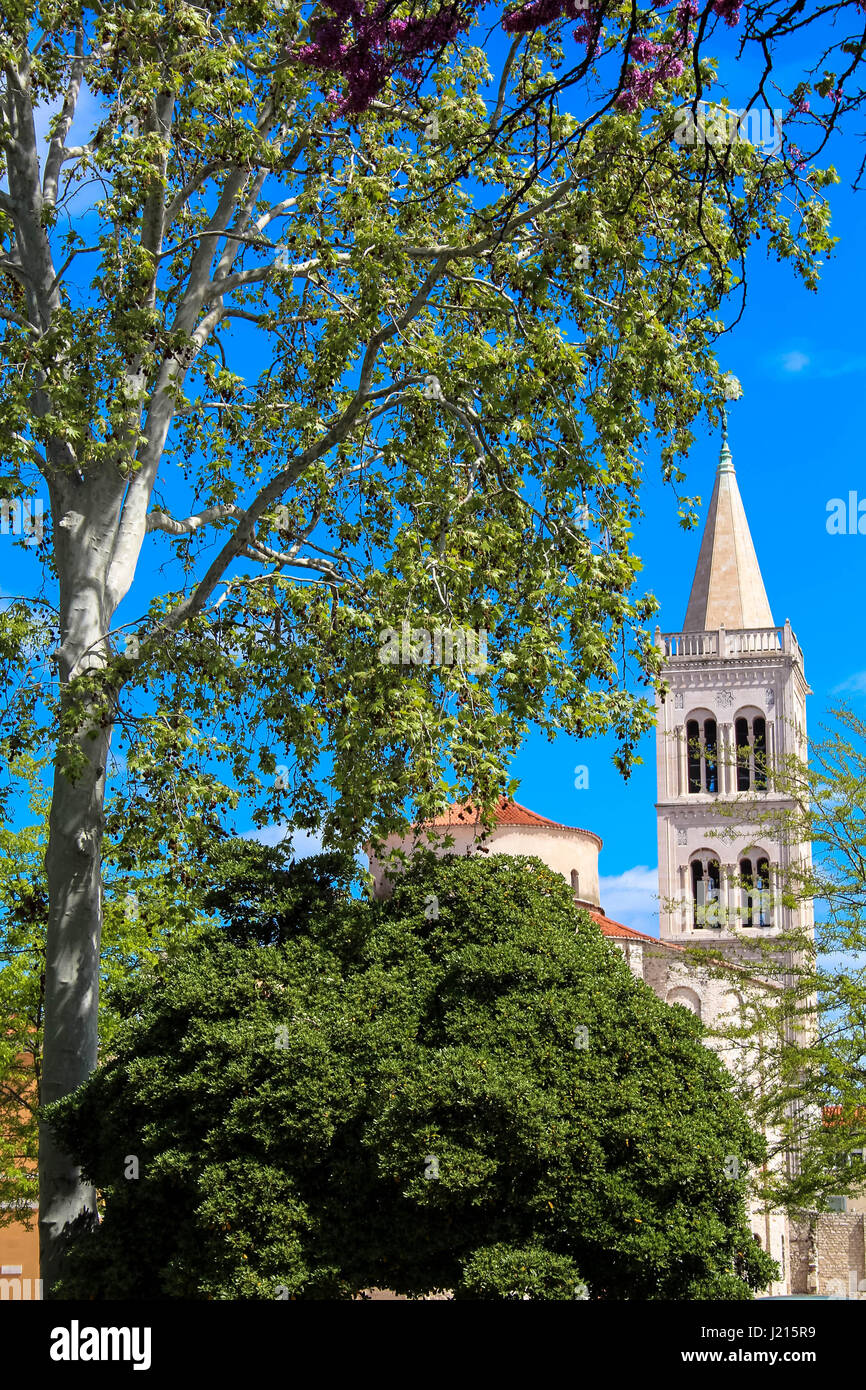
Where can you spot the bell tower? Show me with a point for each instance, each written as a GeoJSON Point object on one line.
{"type": "Point", "coordinates": [736, 706]}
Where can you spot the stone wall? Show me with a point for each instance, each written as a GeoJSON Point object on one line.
{"type": "Point", "coordinates": [828, 1251]}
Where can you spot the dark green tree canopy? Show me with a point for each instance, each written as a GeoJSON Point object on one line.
{"type": "Point", "coordinates": [461, 1088]}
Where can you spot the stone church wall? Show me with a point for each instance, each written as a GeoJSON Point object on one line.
{"type": "Point", "coordinates": [829, 1254]}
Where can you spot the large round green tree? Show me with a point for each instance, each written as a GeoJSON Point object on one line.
{"type": "Point", "coordinates": [461, 1088]}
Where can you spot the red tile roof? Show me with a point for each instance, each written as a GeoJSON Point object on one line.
{"type": "Point", "coordinates": [506, 812]}
{"type": "Point", "coordinates": [618, 932]}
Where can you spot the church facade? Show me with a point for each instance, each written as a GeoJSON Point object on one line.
{"type": "Point", "coordinates": [735, 705]}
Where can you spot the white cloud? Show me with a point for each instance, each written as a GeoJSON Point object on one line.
{"type": "Point", "coordinates": [304, 842]}
{"type": "Point", "coordinates": [855, 685]}
{"type": "Point", "coordinates": [632, 898]}
{"type": "Point", "coordinates": [795, 361]}
{"type": "Point", "coordinates": [822, 364]}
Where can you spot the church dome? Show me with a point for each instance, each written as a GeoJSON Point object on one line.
{"type": "Point", "coordinates": [568, 850]}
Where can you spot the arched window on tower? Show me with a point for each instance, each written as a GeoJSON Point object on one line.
{"type": "Point", "coordinates": [741, 732]}
{"type": "Point", "coordinates": [755, 904]}
{"type": "Point", "coordinates": [747, 887]}
{"type": "Point", "coordinates": [702, 743]}
{"type": "Point", "coordinates": [706, 895]}
{"type": "Point", "coordinates": [759, 731]}
{"type": "Point", "coordinates": [693, 737]}
{"type": "Point", "coordinates": [763, 905]}
{"type": "Point", "coordinates": [751, 739]}
{"type": "Point", "coordinates": [575, 883]}
{"type": "Point", "coordinates": [698, 892]}
{"type": "Point", "coordinates": [711, 761]}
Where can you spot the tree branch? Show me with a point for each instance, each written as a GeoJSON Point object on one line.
{"type": "Point", "coordinates": [158, 520]}
{"type": "Point", "coordinates": [257, 551]}
{"type": "Point", "coordinates": [19, 319]}
{"type": "Point", "coordinates": [56, 148]}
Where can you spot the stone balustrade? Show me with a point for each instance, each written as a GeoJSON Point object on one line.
{"type": "Point", "coordinates": [728, 643]}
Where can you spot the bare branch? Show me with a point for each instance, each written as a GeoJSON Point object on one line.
{"type": "Point", "coordinates": [159, 520]}
{"type": "Point", "coordinates": [291, 558]}
{"type": "Point", "coordinates": [196, 236]}
{"type": "Point", "coordinates": [506, 70]}
{"type": "Point", "coordinates": [19, 319]}
{"type": "Point", "coordinates": [174, 207]}
{"type": "Point", "coordinates": [277, 211]}
{"type": "Point", "coordinates": [79, 251]}
{"type": "Point", "coordinates": [302, 270]}
{"type": "Point", "coordinates": [55, 149]}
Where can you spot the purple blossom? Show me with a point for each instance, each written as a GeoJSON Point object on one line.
{"type": "Point", "coordinates": [359, 42]}
{"type": "Point", "coordinates": [591, 36]}
{"type": "Point", "coordinates": [640, 83]}
{"type": "Point", "coordinates": [728, 10]}
{"type": "Point", "coordinates": [628, 99]}
{"type": "Point", "coordinates": [642, 50]}
{"type": "Point", "coordinates": [687, 11]}
{"type": "Point", "coordinates": [795, 154]}
{"type": "Point", "coordinates": [639, 88]}
{"type": "Point", "coordinates": [366, 48]}
{"type": "Point", "coordinates": [538, 13]}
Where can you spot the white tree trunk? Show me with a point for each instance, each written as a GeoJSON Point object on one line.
{"type": "Point", "coordinates": [84, 528]}
{"type": "Point", "coordinates": [73, 865]}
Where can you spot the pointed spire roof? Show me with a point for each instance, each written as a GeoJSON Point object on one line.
{"type": "Point", "coordinates": [728, 590]}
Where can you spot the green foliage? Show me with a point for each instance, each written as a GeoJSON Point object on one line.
{"type": "Point", "coordinates": [504, 1271]}
{"type": "Point", "coordinates": [23, 637]}
{"type": "Point", "coordinates": [145, 914]}
{"type": "Point", "coordinates": [328, 1094]}
{"type": "Point", "coordinates": [23, 910]}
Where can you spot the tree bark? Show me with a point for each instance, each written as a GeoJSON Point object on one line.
{"type": "Point", "coordinates": [84, 527]}
{"type": "Point", "coordinates": [74, 865]}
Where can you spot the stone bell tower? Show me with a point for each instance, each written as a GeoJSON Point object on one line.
{"type": "Point", "coordinates": [736, 706]}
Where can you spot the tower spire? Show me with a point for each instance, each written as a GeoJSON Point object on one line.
{"type": "Point", "coordinates": [728, 590]}
{"type": "Point", "coordinates": [726, 459]}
